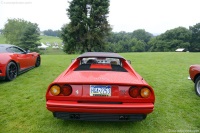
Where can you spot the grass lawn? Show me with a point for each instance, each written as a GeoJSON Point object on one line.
{"type": "Point", "coordinates": [177, 107]}
{"type": "Point", "coordinates": [50, 39]}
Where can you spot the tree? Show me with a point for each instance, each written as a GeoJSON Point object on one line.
{"type": "Point", "coordinates": [22, 33]}
{"type": "Point", "coordinates": [50, 32]}
{"type": "Point", "coordinates": [171, 40]}
{"type": "Point", "coordinates": [142, 35]}
{"type": "Point", "coordinates": [30, 38]}
{"type": "Point", "coordinates": [195, 39]}
{"type": "Point", "coordinates": [88, 27]}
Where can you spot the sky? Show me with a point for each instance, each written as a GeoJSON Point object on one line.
{"type": "Point", "coordinates": [155, 16]}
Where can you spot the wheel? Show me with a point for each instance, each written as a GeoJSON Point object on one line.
{"type": "Point", "coordinates": [37, 63]}
{"type": "Point", "coordinates": [197, 86]}
{"type": "Point", "coordinates": [11, 71]}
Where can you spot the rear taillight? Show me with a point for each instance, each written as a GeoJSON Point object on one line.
{"type": "Point", "coordinates": [134, 92]}
{"type": "Point", "coordinates": [66, 90]}
{"type": "Point", "coordinates": [55, 90]}
{"type": "Point", "coordinates": [145, 92]}
{"type": "Point", "coordinates": [61, 90]}
{"type": "Point", "coordinates": [139, 92]}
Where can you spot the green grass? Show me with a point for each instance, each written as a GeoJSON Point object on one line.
{"type": "Point", "coordinates": [44, 39]}
{"type": "Point", "coordinates": [50, 39]}
{"type": "Point", "coordinates": [177, 106]}
{"type": "Point", "coordinates": [2, 39]}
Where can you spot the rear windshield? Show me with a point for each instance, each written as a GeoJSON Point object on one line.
{"type": "Point", "coordinates": [100, 64]}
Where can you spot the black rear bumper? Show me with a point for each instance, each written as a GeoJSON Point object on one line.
{"type": "Point", "coordinates": [99, 117]}
{"type": "Point", "coordinates": [2, 77]}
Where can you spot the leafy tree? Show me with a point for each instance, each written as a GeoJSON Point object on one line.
{"type": "Point", "coordinates": [50, 32]}
{"type": "Point", "coordinates": [195, 39]}
{"type": "Point", "coordinates": [126, 41]}
{"type": "Point", "coordinates": [142, 35]}
{"type": "Point", "coordinates": [171, 40]}
{"type": "Point", "coordinates": [70, 46]}
{"type": "Point", "coordinates": [22, 33]}
{"type": "Point", "coordinates": [88, 27]}
{"type": "Point", "coordinates": [30, 37]}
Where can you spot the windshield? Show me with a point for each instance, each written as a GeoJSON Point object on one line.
{"type": "Point", "coordinates": [100, 64]}
{"type": "Point", "coordinates": [112, 61]}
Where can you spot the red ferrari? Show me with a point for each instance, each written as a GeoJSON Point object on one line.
{"type": "Point", "coordinates": [100, 86]}
{"type": "Point", "coordinates": [14, 60]}
{"type": "Point", "coordinates": [194, 72]}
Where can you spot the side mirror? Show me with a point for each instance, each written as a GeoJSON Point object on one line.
{"type": "Point", "coordinates": [129, 61]}
{"type": "Point", "coordinates": [72, 60]}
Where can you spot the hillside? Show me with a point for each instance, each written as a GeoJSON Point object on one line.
{"type": "Point", "coordinates": [54, 43]}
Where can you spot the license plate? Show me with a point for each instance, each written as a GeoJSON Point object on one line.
{"type": "Point", "coordinates": [100, 90]}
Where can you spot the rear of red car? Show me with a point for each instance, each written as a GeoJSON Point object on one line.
{"type": "Point", "coordinates": [104, 92]}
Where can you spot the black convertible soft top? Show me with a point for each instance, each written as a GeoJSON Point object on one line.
{"type": "Point", "coordinates": [101, 54]}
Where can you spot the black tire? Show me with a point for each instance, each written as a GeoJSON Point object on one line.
{"type": "Point", "coordinates": [38, 61]}
{"type": "Point", "coordinates": [11, 71]}
{"type": "Point", "coordinates": [197, 86]}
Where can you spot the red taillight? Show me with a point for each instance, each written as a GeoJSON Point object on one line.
{"type": "Point", "coordinates": [61, 90]}
{"type": "Point", "coordinates": [66, 90]}
{"type": "Point", "coordinates": [134, 92]}
{"type": "Point", "coordinates": [139, 92]}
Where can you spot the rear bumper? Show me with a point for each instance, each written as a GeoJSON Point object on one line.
{"type": "Point", "coordinates": [2, 77]}
{"type": "Point", "coordinates": [72, 107]}
{"type": "Point", "coordinates": [99, 117]}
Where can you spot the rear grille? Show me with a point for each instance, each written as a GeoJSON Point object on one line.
{"type": "Point", "coordinates": [99, 117]}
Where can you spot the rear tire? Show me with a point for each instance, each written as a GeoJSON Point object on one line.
{"type": "Point", "coordinates": [11, 71]}
{"type": "Point", "coordinates": [38, 61]}
{"type": "Point", "coordinates": [197, 86]}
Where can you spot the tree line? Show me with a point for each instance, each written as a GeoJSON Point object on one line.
{"type": "Point", "coordinates": [89, 30]}
{"type": "Point", "coordinates": [142, 41]}
{"type": "Point", "coordinates": [51, 32]}
{"type": "Point", "coordinates": [26, 35]}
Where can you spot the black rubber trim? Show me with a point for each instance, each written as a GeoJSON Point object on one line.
{"type": "Point", "coordinates": [99, 117]}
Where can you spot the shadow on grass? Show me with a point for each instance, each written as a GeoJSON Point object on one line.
{"type": "Point", "coordinates": [4, 81]}
{"type": "Point", "coordinates": [96, 126]}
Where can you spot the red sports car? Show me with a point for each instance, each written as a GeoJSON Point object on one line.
{"type": "Point", "coordinates": [14, 60]}
{"type": "Point", "coordinates": [100, 86]}
{"type": "Point", "coordinates": [194, 72]}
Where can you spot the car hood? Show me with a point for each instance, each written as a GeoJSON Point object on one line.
{"type": "Point", "coordinates": [100, 77]}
